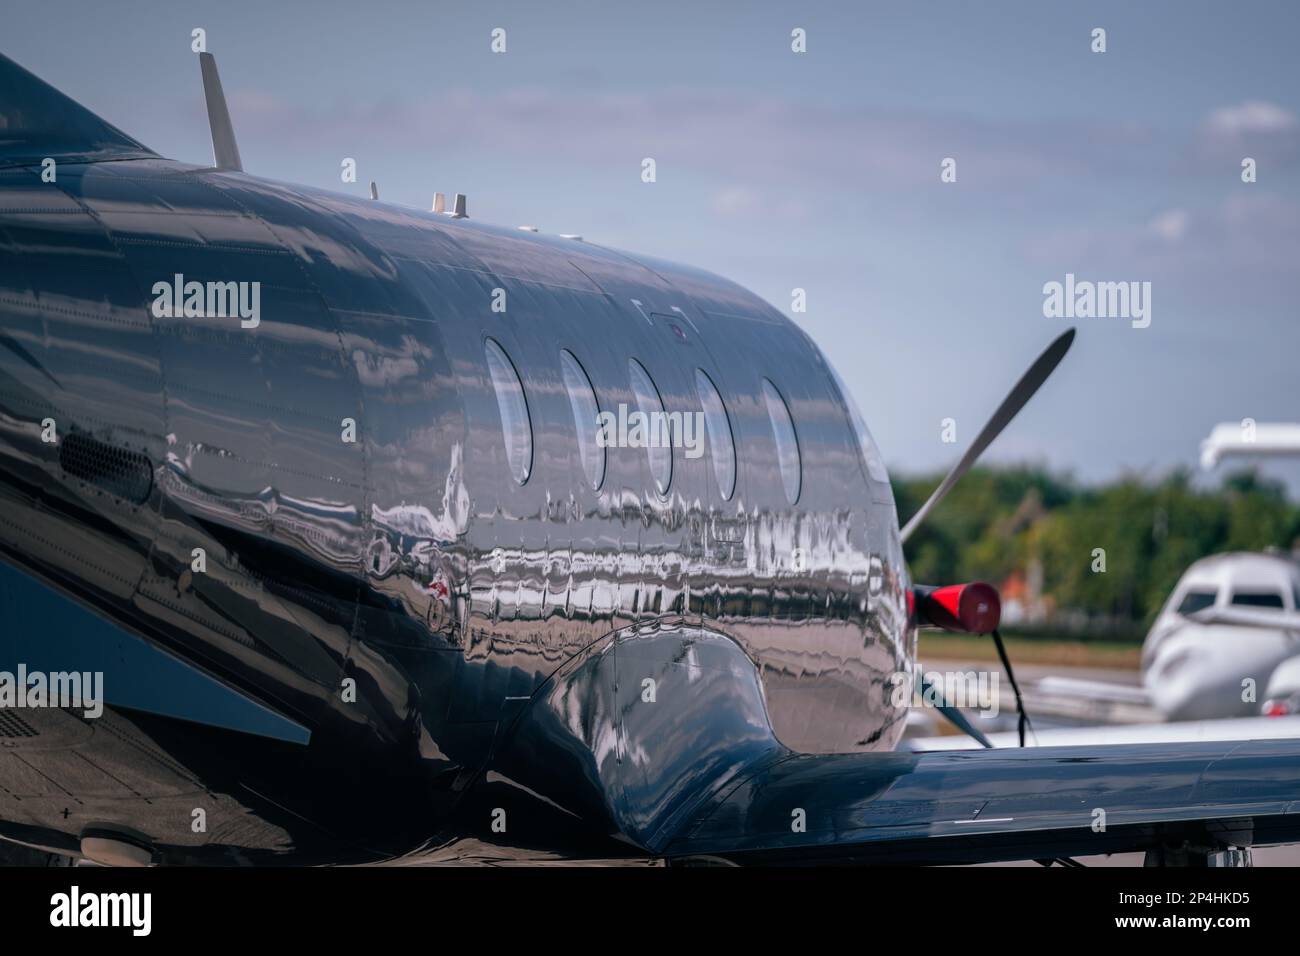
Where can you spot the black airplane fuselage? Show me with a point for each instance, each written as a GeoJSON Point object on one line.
{"type": "Point", "coordinates": [319, 511]}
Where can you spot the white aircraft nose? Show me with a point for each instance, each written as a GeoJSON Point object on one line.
{"type": "Point", "coordinates": [1208, 672]}
{"type": "Point", "coordinates": [1200, 693]}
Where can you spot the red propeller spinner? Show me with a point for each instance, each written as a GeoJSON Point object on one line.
{"type": "Point", "coordinates": [974, 608]}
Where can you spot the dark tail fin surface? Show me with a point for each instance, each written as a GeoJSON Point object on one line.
{"type": "Point", "coordinates": [39, 122]}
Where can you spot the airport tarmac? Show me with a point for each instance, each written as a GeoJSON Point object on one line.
{"type": "Point", "coordinates": [1031, 673]}
{"type": "Point", "coordinates": [1046, 706]}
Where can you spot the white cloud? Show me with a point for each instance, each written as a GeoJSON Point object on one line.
{"type": "Point", "coordinates": [1253, 236]}
{"type": "Point", "coordinates": [735, 201]}
{"type": "Point", "coordinates": [1265, 131]}
{"type": "Point", "coordinates": [1253, 116]}
{"type": "Point", "coordinates": [773, 141]}
{"type": "Point", "coordinates": [1170, 226]}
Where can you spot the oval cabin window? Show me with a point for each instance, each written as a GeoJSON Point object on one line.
{"type": "Point", "coordinates": [582, 400]}
{"type": "Point", "coordinates": [721, 443]}
{"type": "Point", "coordinates": [655, 432]}
{"type": "Point", "coordinates": [515, 425]}
{"type": "Point", "coordinates": [866, 444]}
{"type": "Point", "coordinates": [787, 444]}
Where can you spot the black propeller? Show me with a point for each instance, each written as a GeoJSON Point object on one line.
{"type": "Point", "coordinates": [1024, 390]}
{"type": "Point", "coordinates": [1017, 399]}
{"type": "Point", "coordinates": [955, 716]}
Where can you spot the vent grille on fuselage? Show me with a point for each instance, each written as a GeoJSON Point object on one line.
{"type": "Point", "coordinates": [12, 726]}
{"type": "Point", "coordinates": [126, 474]}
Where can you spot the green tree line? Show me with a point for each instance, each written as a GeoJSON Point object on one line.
{"type": "Point", "coordinates": [1025, 523]}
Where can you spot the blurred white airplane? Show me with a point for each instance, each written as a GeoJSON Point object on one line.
{"type": "Point", "coordinates": [1227, 642]}
{"type": "Point", "coordinates": [1216, 646]}
{"type": "Point", "coordinates": [1282, 692]}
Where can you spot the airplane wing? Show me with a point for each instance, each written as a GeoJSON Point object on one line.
{"type": "Point", "coordinates": [986, 805]}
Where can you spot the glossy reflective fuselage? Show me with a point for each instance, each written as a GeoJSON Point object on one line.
{"type": "Point", "coordinates": [452, 640]}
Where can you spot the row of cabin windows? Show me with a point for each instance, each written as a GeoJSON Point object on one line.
{"type": "Point", "coordinates": [517, 429]}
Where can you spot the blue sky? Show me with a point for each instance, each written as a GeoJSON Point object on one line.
{"type": "Point", "coordinates": [817, 170]}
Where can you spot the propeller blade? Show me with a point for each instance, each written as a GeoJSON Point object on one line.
{"type": "Point", "coordinates": [1011, 405]}
{"type": "Point", "coordinates": [955, 716]}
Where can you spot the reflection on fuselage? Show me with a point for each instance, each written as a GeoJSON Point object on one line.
{"type": "Point", "coordinates": [404, 589]}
